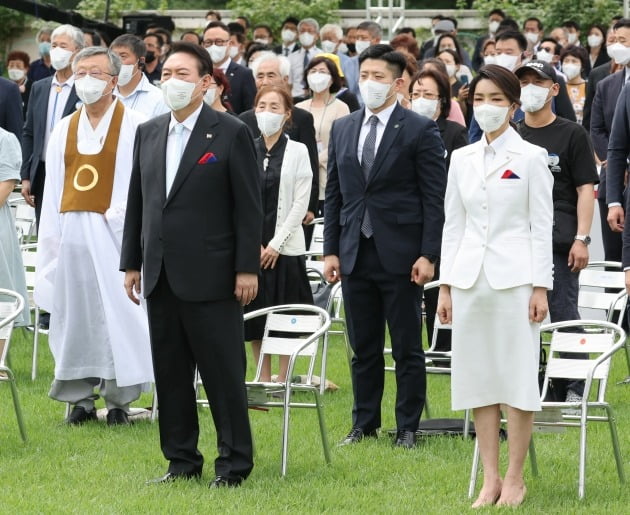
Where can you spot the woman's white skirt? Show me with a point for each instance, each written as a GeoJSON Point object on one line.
{"type": "Point", "coordinates": [495, 349]}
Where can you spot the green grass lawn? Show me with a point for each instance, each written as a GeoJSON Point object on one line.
{"type": "Point", "coordinates": [97, 469]}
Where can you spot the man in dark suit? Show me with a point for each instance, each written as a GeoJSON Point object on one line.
{"type": "Point", "coordinates": [51, 99]}
{"type": "Point", "coordinates": [11, 118]}
{"type": "Point", "coordinates": [382, 233]}
{"type": "Point", "coordinates": [193, 224]}
{"type": "Point", "coordinates": [594, 78]}
{"type": "Point", "coordinates": [216, 40]}
{"type": "Point", "coordinates": [273, 70]}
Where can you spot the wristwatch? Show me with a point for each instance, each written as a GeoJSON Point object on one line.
{"type": "Point", "coordinates": [584, 238]}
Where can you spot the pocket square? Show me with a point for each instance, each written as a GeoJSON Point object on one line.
{"type": "Point", "coordinates": [208, 157]}
{"type": "Point", "coordinates": [509, 174]}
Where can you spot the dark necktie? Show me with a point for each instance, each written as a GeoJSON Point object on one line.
{"type": "Point", "coordinates": [286, 51]}
{"type": "Point", "coordinates": [367, 161]}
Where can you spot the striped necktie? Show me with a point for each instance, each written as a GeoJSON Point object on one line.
{"type": "Point", "coordinates": [367, 161]}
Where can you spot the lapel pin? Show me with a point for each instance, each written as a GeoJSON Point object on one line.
{"type": "Point", "coordinates": [208, 136]}
{"type": "Point", "coordinates": [396, 126]}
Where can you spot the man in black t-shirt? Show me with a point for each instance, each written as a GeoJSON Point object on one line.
{"type": "Point", "coordinates": [572, 164]}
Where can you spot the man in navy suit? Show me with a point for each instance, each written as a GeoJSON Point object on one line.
{"type": "Point", "coordinates": [51, 99]}
{"type": "Point", "coordinates": [216, 40]}
{"type": "Point", "coordinates": [11, 107]}
{"type": "Point", "coordinates": [382, 233]}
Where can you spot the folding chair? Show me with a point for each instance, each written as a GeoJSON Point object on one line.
{"type": "Point", "coordinates": [315, 253]}
{"type": "Point", "coordinates": [598, 341]}
{"type": "Point", "coordinates": [11, 305]}
{"type": "Point", "coordinates": [24, 220]}
{"type": "Point", "coordinates": [292, 330]}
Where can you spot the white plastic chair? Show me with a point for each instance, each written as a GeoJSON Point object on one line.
{"type": "Point", "coordinates": [11, 306]}
{"type": "Point", "coordinates": [300, 327]}
{"type": "Point", "coordinates": [598, 341]}
{"type": "Point", "coordinates": [315, 253]}
{"type": "Point", "coordinates": [24, 220]}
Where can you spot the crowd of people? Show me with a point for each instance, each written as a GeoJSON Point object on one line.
{"type": "Point", "coordinates": [191, 170]}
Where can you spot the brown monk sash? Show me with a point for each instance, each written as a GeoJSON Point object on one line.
{"type": "Point", "coordinates": [89, 179]}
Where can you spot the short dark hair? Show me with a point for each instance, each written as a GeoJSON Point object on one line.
{"type": "Point", "coordinates": [500, 12]}
{"type": "Point", "coordinates": [406, 30]}
{"type": "Point", "coordinates": [622, 23]}
{"type": "Point", "coordinates": [18, 55]}
{"type": "Point", "coordinates": [217, 14]}
{"type": "Point", "coordinates": [332, 69]}
{"type": "Point", "coordinates": [280, 90]}
{"type": "Point", "coordinates": [571, 24]}
{"type": "Point", "coordinates": [192, 33]}
{"type": "Point", "coordinates": [512, 34]}
{"type": "Point", "coordinates": [508, 25]}
{"type": "Point", "coordinates": [204, 63]}
{"type": "Point", "coordinates": [264, 26]}
{"type": "Point", "coordinates": [576, 51]}
{"type": "Point", "coordinates": [450, 51]}
{"type": "Point", "coordinates": [155, 35]}
{"type": "Point", "coordinates": [240, 37]}
{"type": "Point", "coordinates": [537, 20]}
{"type": "Point", "coordinates": [435, 62]}
{"type": "Point", "coordinates": [244, 18]}
{"type": "Point", "coordinates": [557, 46]}
{"type": "Point", "coordinates": [96, 37]}
{"type": "Point", "coordinates": [166, 34]}
{"type": "Point", "coordinates": [395, 60]}
{"type": "Point", "coordinates": [234, 28]}
{"type": "Point", "coordinates": [131, 42]}
{"type": "Point", "coordinates": [501, 77]}
{"type": "Point", "coordinates": [290, 19]}
{"type": "Point", "coordinates": [444, 88]}
{"type": "Point", "coordinates": [219, 24]}
{"type": "Point", "coordinates": [404, 39]}
{"type": "Point", "coordinates": [254, 47]}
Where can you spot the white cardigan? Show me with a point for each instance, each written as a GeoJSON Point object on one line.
{"type": "Point", "coordinates": [296, 177]}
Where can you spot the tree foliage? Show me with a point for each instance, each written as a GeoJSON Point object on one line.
{"type": "Point", "coordinates": [95, 9]}
{"type": "Point", "coordinates": [11, 23]}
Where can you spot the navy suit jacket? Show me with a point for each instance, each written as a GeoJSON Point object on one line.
{"type": "Point", "coordinates": [597, 74]}
{"type": "Point", "coordinates": [11, 118]}
{"type": "Point", "coordinates": [602, 112]}
{"type": "Point", "coordinates": [242, 87]}
{"type": "Point", "coordinates": [34, 133]}
{"type": "Point", "coordinates": [404, 192]}
{"type": "Point", "coordinates": [618, 150]}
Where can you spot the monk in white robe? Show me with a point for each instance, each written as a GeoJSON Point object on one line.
{"type": "Point", "coordinates": [96, 336]}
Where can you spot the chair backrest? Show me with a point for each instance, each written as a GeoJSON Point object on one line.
{"type": "Point", "coordinates": [594, 341]}
{"type": "Point", "coordinates": [602, 291]}
{"type": "Point", "coordinates": [437, 325]}
{"type": "Point", "coordinates": [24, 220]}
{"type": "Point", "coordinates": [316, 248]}
{"type": "Point", "coordinates": [289, 329]}
{"type": "Point", "coordinates": [11, 305]}
{"type": "Point", "coordinates": [29, 259]}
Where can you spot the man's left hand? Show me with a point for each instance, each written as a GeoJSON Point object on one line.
{"type": "Point", "coordinates": [246, 287]}
{"type": "Point", "coordinates": [310, 216]}
{"type": "Point", "coordinates": [422, 271]}
{"type": "Point", "coordinates": [578, 256]}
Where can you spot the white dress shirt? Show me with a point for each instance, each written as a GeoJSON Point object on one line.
{"type": "Point", "coordinates": [145, 98]}
{"type": "Point", "coordinates": [172, 143]}
{"type": "Point", "coordinates": [59, 92]}
{"type": "Point", "coordinates": [383, 118]}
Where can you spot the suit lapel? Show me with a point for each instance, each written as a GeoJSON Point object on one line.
{"type": "Point", "coordinates": [355, 131]}
{"type": "Point", "coordinates": [197, 143]}
{"type": "Point", "coordinates": [161, 136]}
{"type": "Point", "coordinates": [393, 128]}
{"type": "Point", "coordinates": [71, 103]}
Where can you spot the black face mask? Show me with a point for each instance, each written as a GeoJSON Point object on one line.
{"type": "Point", "coordinates": [351, 48]}
{"type": "Point", "coordinates": [150, 57]}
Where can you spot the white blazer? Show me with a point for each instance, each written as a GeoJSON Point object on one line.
{"type": "Point", "coordinates": [296, 178]}
{"type": "Point", "coordinates": [499, 223]}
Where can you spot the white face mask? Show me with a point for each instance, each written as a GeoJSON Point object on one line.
{"type": "Point", "coordinates": [533, 98]}
{"type": "Point", "coordinates": [594, 40]}
{"type": "Point", "coordinates": [490, 117]}
{"type": "Point", "coordinates": [543, 55]}
{"type": "Point", "coordinates": [425, 106]}
{"type": "Point", "coordinates": [328, 46]}
{"type": "Point", "coordinates": [233, 52]}
{"type": "Point", "coordinates": [126, 74]}
{"type": "Point", "coordinates": [620, 53]}
{"type": "Point", "coordinates": [262, 41]}
{"type": "Point", "coordinates": [177, 93]}
{"type": "Point", "coordinates": [571, 70]}
{"type": "Point", "coordinates": [60, 58]}
{"type": "Point", "coordinates": [360, 46]}
{"type": "Point", "coordinates": [507, 61]}
{"type": "Point", "coordinates": [318, 81]}
{"type": "Point", "coordinates": [374, 93]}
{"type": "Point", "coordinates": [532, 37]}
{"type": "Point", "coordinates": [269, 123]}
{"type": "Point", "coordinates": [288, 36]}
{"type": "Point", "coordinates": [493, 26]}
{"type": "Point", "coordinates": [451, 70]}
{"type": "Point", "coordinates": [490, 59]}
{"type": "Point", "coordinates": [16, 74]}
{"type": "Point", "coordinates": [210, 96]}
{"type": "Point", "coordinates": [307, 39]}
{"type": "Point", "coordinates": [343, 48]}
{"type": "Point", "coordinates": [90, 89]}
{"type": "Point", "coordinates": [217, 53]}
{"type": "Point", "coordinates": [572, 38]}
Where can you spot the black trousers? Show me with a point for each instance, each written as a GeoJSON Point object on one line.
{"type": "Point", "coordinates": [37, 190]}
{"type": "Point", "coordinates": [373, 297]}
{"type": "Point", "coordinates": [610, 239]}
{"type": "Point", "coordinates": [208, 335]}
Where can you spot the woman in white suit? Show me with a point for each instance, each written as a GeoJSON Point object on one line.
{"type": "Point", "coordinates": [496, 269]}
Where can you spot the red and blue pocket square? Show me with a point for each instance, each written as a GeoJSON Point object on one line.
{"type": "Point", "coordinates": [509, 174]}
{"type": "Point", "coordinates": [208, 157]}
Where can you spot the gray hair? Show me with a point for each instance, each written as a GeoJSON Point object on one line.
{"type": "Point", "coordinates": [331, 27]}
{"type": "Point", "coordinates": [309, 21]}
{"type": "Point", "coordinates": [283, 63]}
{"type": "Point", "coordinates": [75, 34]}
{"type": "Point", "coordinates": [114, 60]}
{"type": "Point", "coordinates": [372, 27]}
{"type": "Point", "coordinates": [42, 31]}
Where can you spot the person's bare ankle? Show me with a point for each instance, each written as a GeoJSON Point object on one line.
{"type": "Point", "coordinates": [490, 492]}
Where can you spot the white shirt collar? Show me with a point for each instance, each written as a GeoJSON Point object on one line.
{"type": "Point", "coordinates": [383, 116]}
{"type": "Point", "coordinates": [499, 143]}
{"type": "Point", "coordinates": [69, 82]}
{"type": "Point", "coordinates": [189, 122]}
{"type": "Point", "coordinates": [225, 65]}
{"type": "Point", "coordinates": [143, 85]}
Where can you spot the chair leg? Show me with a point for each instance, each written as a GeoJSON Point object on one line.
{"type": "Point", "coordinates": [285, 432]}
{"type": "Point", "coordinates": [322, 427]}
{"type": "Point", "coordinates": [154, 405]}
{"type": "Point", "coordinates": [35, 344]}
{"type": "Point", "coordinates": [16, 402]}
{"type": "Point", "coordinates": [349, 351]}
{"type": "Point", "coordinates": [532, 457]}
{"type": "Point", "coordinates": [473, 471]}
{"type": "Point", "coordinates": [466, 424]}
{"type": "Point", "coordinates": [612, 423]}
{"type": "Point", "coordinates": [582, 472]}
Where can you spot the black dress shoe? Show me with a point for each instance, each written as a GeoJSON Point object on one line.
{"type": "Point", "coordinates": [80, 415]}
{"type": "Point", "coordinates": [117, 417]}
{"type": "Point", "coordinates": [169, 477]}
{"type": "Point", "coordinates": [357, 434]}
{"type": "Point", "coordinates": [224, 481]}
{"type": "Point", "coordinates": [405, 439]}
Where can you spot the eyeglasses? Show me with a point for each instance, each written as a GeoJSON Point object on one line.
{"type": "Point", "coordinates": [217, 42]}
{"type": "Point", "coordinates": [92, 73]}
{"type": "Point", "coordinates": [426, 94]}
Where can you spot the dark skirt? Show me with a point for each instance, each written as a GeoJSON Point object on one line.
{"type": "Point", "coordinates": [287, 283]}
